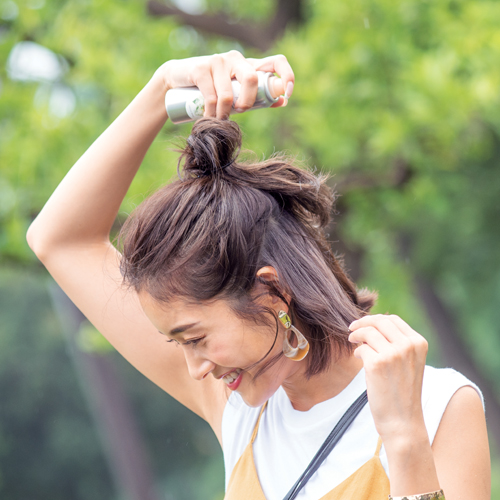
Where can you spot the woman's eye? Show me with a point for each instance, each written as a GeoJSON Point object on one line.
{"type": "Point", "coordinates": [188, 342]}
{"type": "Point", "coordinates": [193, 341]}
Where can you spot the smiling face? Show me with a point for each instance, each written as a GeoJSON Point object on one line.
{"type": "Point", "coordinates": [216, 342]}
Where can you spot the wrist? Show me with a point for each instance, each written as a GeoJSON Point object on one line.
{"type": "Point", "coordinates": [411, 463]}
{"type": "Point", "coordinates": [403, 444]}
{"type": "Point", "coordinates": [435, 495]}
{"type": "Point", "coordinates": [149, 106]}
{"type": "Point", "coordinates": [161, 77]}
{"type": "Point", "coordinates": [400, 433]}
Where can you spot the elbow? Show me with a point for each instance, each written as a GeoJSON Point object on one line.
{"type": "Point", "coordinates": [34, 242]}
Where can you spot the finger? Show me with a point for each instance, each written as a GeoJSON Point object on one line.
{"type": "Point", "coordinates": [383, 324]}
{"type": "Point", "coordinates": [277, 64]}
{"type": "Point", "coordinates": [403, 326]}
{"type": "Point", "coordinates": [365, 353]}
{"type": "Point", "coordinates": [247, 76]}
{"type": "Point", "coordinates": [371, 336]}
{"type": "Point", "coordinates": [223, 88]}
{"type": "Point", "coordinates": [280, 103]}
{"type": "Point", "coordinates": [249, 80]}
{"type": "Point", "coordinates": [206, 85]}
{"type": "Point", "coordinates": [418, 342]}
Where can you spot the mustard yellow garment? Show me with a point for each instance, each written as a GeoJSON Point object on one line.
{"type": "Point", "coordinates": [369, 482]}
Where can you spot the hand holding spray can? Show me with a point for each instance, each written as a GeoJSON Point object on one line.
{"type": "Point", "coordinates": [187, 104]}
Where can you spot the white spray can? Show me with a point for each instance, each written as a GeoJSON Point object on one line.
{"type": "Point", "coordinates": [187, 104]}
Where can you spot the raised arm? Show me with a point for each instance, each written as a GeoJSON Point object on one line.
{"type": "Point", "coordinates": [83, 208]}
{"type": "Point", "coordinates": [71, 234]}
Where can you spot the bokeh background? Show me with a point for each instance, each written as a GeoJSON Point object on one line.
{"type": "Point", "coordinates": [399, 101]}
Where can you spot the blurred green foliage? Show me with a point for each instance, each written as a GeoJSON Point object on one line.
{"type": "Point", "coordinates": [48, 447]}
{"type": "Point", "coordinates": [48, 444]}
{"type": "Point", "coordinates": [398, 100]}
{"type": "Point", "coordinates": [89, 339]}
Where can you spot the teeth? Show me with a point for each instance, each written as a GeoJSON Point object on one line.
{"type": "Point", "coordinates": [231, 377]}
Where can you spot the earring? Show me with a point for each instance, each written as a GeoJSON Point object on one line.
{"type": "Point", "coordinates": [294, 353]}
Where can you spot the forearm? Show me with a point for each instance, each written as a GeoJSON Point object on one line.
{"type": "Point", "coordinates": [411, 463]}
{"type": "Point", "coordinates": [84, 206]}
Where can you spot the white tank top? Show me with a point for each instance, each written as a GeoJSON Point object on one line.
{"type": "Point", "coordinates": [288, 439]}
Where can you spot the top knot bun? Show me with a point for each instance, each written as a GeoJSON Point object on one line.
{"type": "Point", "coordinates": [212, 146]}
{"type": "Point", "coordinates": [211, 153]}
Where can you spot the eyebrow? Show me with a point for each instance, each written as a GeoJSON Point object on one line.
{"type": "Point", "coordinates": [182, 328]}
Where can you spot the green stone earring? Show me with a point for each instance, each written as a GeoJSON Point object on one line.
{"type": "Point", "coordinates": [294, 353]}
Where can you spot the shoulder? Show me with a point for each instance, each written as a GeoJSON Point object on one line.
{"type": "Point", "coordinates": [442, 378]}
{"type": "Point", "coordinates": [460, 448]}
{"type": "Point", "coordinates": [439, 386]}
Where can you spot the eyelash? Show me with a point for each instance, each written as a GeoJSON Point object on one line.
{"type": "Point", "coordinates": [194, 341]}
{"type": "Point", "coordinates": [188, 342]}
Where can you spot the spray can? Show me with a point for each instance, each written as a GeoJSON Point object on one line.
{"type": "Point", "coordinates": [187, 104]}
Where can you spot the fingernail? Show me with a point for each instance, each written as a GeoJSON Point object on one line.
{"type": "Point", "coordinates": [289, 90]}
{"type": "Point", "coordinates": [239, 110]}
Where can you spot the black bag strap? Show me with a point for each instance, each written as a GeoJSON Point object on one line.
{"type": "Point", "coordinates": [330, 442]}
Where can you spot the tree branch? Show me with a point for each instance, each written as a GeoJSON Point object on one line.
{"type": "Point", "coordinates": [398, 177]}
{"type": "Point", "coordinates": [246, 32]}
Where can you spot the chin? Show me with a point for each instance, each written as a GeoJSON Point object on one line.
{"type": "Point", "coordinates": [254, 403]}
{"type": "Point", "coordinates": [258, 398]}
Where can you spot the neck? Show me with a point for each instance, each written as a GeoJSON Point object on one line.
{"type": "Point", "coordinates": [305, 393]}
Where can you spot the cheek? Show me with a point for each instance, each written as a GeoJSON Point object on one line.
{"type": "Point", "coordinates": [229, 355]}
{"type": "Point", "coordinates": [242, 349]}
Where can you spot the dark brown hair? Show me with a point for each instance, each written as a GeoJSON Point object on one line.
{"type": "Point", "coordinates": [205, 236]}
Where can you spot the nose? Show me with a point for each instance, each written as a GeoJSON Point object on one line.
{"type": "Point", "coordinates": [198, 366]}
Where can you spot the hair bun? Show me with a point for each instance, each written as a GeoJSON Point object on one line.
{"type": "Point", "coordinates": [212, 146]}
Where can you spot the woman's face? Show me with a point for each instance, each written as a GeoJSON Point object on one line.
{"type": "Point", "coordinates": [216, 342]}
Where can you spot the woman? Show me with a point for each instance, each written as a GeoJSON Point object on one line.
{"type": "Point", "coordinates": [218, 262]}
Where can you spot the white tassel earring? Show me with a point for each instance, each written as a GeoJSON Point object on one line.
{"type": "Point", "coordinates": [294, 353]}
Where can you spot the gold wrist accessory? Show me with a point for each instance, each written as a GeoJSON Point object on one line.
{"type": "Point", "coordinates": [435, 495]}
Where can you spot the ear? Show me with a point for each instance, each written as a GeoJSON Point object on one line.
{"type": "Point", "coordinates": [268, 273]}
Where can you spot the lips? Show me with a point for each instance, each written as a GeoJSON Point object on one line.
{"type": "Point", "coordinates": [224, 374]}
{"type": "Point", "coordinates": [232, 378]}
{"type": "Point", "coordinates": [234, 385]}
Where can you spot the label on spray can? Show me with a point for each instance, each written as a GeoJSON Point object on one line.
{"type": "Point", "coordinates": [187, 104]}
{"type": "Point", "coordinates": [196, 107]}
